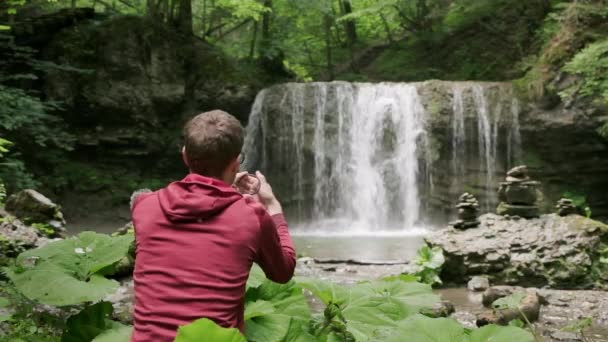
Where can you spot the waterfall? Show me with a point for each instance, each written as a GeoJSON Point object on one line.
{"type": "Point", "coordinates": [372, 157]}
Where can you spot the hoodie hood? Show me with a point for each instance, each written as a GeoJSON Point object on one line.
{"type": "Point", "coordinates": [196, 197]}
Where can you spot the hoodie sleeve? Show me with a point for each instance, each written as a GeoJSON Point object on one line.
{"type": "Point", "coordinates": [275, 254]}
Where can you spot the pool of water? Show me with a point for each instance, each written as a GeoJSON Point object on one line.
{"type": "Point", "coordinates": [335, 240]}
{"type": "Point", "coordinates": [359, 248]}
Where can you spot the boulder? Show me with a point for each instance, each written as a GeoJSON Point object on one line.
{"type": "Point", "coordinates": [478, 283]}
{"type": "Point", "coordinates": [442, 308]}
{"type": "Point", "coordinates": [518, 192]}
{"type": "Point", "coordinates": [554, 251]}
{"type": "Point", "coordinates": [525, 211]}
{"type": "Point", "coordinates": [527, 310]}
{"type": "Point", "coordinates": [34, 208]}
{"type": "Point", "coordinates": [15, 237]}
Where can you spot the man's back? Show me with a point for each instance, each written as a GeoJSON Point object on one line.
{"type": "Point", "coordinates": [195, 243]}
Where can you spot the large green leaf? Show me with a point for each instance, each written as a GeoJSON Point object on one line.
{"type": "Point", "coordinates": [86, 253]}
{"type": "Point", "coordinates": [494, 333]}
{"type": "Point", "coordinates": [205, 330]}
{"type": "Point", "coordinates": [88, 323]}
{"type": "Point", "coordinates": [373, 307]}
{"type": "Point", "coordinates": [420, 328]}
{"type": "Point", "coordinates": [271, 308]}
{"type": "Point", "coordinates": [67, 268]}
{"type": "Point", "coordinates": [511, 301]}
{"type": "Point", "coordinates": [258, 308]}
{"type": "Point", "coordinates": [52, 284]}
{"type": "Point", "coordinates": [120, 333]}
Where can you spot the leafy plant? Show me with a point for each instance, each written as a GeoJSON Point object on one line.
{"type": "Point", "coordinates": [366, 309]}
{"type": "Point", "coordinates": [579, 201]}
{"type": "Point", "coordinates": [44, 228]}
{"type": "Point", "coordinates": [272, 309]}
{"type": "Point", "coordinates": [428, 265]}
{"type": "Point", "coordinates": [592, 64]}
{"type": "Point", "coordinates": [205, 330]}
{"type": "Point", "coordinates": [89, 323]}
{"type": "Point", "coordinates": [69, 268]}
{"type": "Point", "coordinates": [513, 302]}
{"type": "Point", "coordinates": [579, 327]}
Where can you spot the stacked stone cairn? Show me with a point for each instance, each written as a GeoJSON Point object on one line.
{"type": "Point", "coordinates": [565, 207]}
{"type": "Point", "coordinates": [518, 194]}
{"type": "Point", "coordinates": [468, 210]}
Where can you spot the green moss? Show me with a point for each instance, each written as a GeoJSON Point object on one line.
{"type": "Point", "coordinates": [45, 229]}
{"type": "Point", "coordinates": [532, 159]}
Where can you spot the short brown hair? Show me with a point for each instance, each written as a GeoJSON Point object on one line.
{"type": "Point", "coordinates": [212, 139]}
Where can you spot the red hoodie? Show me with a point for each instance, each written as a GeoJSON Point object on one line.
{"type": "Point", "coordinates": [196, 241]}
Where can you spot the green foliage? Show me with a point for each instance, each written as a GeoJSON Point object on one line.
{"type": "Point", "coordinates": [580, 202]}
{"type": "Point", "coordinates": [591, 64]}
{"type": "Point", "coordinates": [119, 333]}
{"type": "Point", "coordinates": [205, 330]}
{"type": "Point", "coordinates": [369, 308]}
{"type": "Point", "coordinates": [428, 265]}
{"type": "Point", "coordinates": [271, 309]}
{"type": "Point", "coordinates": [509, 302]}
{"type": "Point", "coordinates": [70, 269]}
{"type": "Point", "coordinates": [44, 228]}
{"type": "Point", "coordinates": [497, 333]}
{"type": "Point", "coordinates": [603, 130]}
{"type": "Point", "coordinates": [89, 323]}
{"type": "Point", "coordinates": [579, 325]}
{"type": "Point", "coordinates": [25, 322]}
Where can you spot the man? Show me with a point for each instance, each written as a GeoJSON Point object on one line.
{"type": "Point", "coordinates": [197, 238]}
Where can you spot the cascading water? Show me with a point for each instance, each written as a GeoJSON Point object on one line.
{"type": "Point", "coordinates": [371, 157]}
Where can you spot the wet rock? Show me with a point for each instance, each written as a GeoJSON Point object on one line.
{"type": "Point", "coordinates": [15, 237]}
{"type": "Point", "coordinates": [495, 292]}
{"type": "Point", "coordinates": [122, 301]}
{"type": "Point", "coordinates": [525, 211]}
{"type": "Point", "coordinates": [443, 308]}
{"type": "Point", "coordinates": [528, 309]}
{"type": "Point", "coordinates": [566, 207]}
{"type": "Point", "coordinates": [468, 210]}
{"type": "Point", "coordinates": [518, 194]}
{"type": "Point", "coordinates": [554, 251]}
{"type": "Point", "coordinates": [478, 284]}
{"type": "Point", "coordinates": [32, 207]}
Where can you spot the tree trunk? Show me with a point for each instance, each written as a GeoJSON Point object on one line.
{"type": "Point", "coordinates": [387, 28]}
{"type": "Point", "coordinates": [330, 67]}
{"type": "Point", "coordinates": [266, 33]}
{"type": "Point", "coordinates": [184, 18]}
{"type": "Point", "coordinates": [253, 40]}
{"type": "Point", "coordinates": [350, 27]}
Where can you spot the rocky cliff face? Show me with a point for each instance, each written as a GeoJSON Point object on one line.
{"type": "Point", "coordinates": [125, 89]}
{"type": "Point", "coordinates": [461, 136]}
{"type": "Point", "coordinates": [560, 252]}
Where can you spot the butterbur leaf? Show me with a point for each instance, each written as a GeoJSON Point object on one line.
{"type": "Point", "coordinates": [256, 277]}
{"type": "Point", "coordinates": [86, 253]}
{"type": "Point", "coordinates": [288, 304]}
{"type": "Point", "coordinates": [408, 278]}
{"type": "Point", "coordinates": [424, 329]}
{"type": "Point", "coordinates": [509, 302]}
{"type": "Point", "coordinates": [205, 330]}
{"type": "Point", "coordinates": [495, 333]}
{"type": "Point", "coordinates": [258, 308]}
{"type": "Point", "coordinates": [61, 286]}
{"type": "Point", "coordinates": [68, 268]}
{"type": "Point", "coordinates": [327, 292]}
{"type": "Point", "coordinates": [370, 308]}
{"type": "Point", "coordinates": [88, 323]}
{"type": "Point", "coordinates": [119, 333]}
